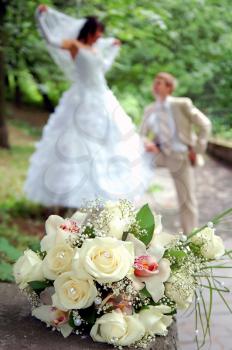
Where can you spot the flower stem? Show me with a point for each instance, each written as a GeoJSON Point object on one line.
{"type": "Point", "coordinates": [215, 221]}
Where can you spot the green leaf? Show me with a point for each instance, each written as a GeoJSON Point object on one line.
{"type": "Point", "coordinates": [178, 254]}
{"type": "Point", "coordinates": [124, 236]}
{"type": "Point", "coordinates": [173, 312]}
{"type": "Point", "coordinates": [35, 246]}
{"type": "Point", "coordinates": [146, 221]}
{"type": "Point", "coordinates": [89, 231]}
{"type": "Point", "coordinates": [6, 272]}
{"type": "Point", "coordinates": [144, 307]}
{"type": "Point", "coordinates": [195, 249]}
{"type": "Point", "coordinates": [9, 250]}
{"type": "Point", "coordinates": [89, 314]}
{"type": "Point", "coordinates": [145, 293]}
{"type": "Point", "coordinates": [70, 321]}
{"type": "Point", "coordinates": [39, 286]}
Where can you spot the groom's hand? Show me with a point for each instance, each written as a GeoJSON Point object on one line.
{"type": "Point", "coordinates": [151, 147]}
{"type": "Point", "coordinates": [192, 156]}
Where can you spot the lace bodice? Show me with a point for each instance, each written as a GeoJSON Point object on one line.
{"type": "Point", "coordinates": [90, 69]}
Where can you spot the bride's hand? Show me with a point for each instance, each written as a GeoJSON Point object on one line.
{"type": "Point", "coordinates": [117, 42]}
{"type": "Point", "coordinates": [42, 8]}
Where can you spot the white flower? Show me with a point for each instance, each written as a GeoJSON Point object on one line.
{"type": "Point", "coordinates": [79, 217]}
{"type": "Point", "coordinates": [58, 260]}
{"type": "Point", "coordinates": [161, 240]}
{"type": "Point", "coordinates": [150, 268]}
{"type": "Point", "coordinates": [118, 329]}
{"type": "Point", "coordinates": [180, 288]}
{"type": "Point", "coordinates": [53, 317]}
{"type": "Point", "coordinates": [105, 259]}
{"type": "Point", "coordinates": [58, 230]}
{"type": "Point", "coordinates": [28, 268]}
{"type": "Point", "coordinates": [73, 293]}
{"type": "Point", "coordinates": [154, 320]}
{"type": "Point", "coordinates": [118, 219]}
{"type": "Point", "coordinates": [212, 246]}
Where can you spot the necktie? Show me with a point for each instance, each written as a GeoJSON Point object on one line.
{"type": "Point", "coordinates": [165, 131]}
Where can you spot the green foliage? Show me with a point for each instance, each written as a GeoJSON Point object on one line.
{"type": "Point", "coordinates": [190, 39]}
{"type": "Point", "coordinates": [89, 314]}
{"type": "Point", "coordinates": [145, 220]}
{"type": "Point", "coordinates": [27, 128]}
{"type": "Point", "coordinates": [21, 222]}
{"type": "Point", "coordinates": [12, 244]}
{"type": "Point", "coordinates": [71, 321]}
{"type": "Point", "coordinates": [39, 286]}
{"type": "Point", "coordinates": [6, 272]}
{"type": "Point", "coordinates": [89, 231]}
{"type": "Point", "coordinates": [144, 292]}
{"type": "Point", "coordinates": [177, 254]}
{"type": "Point", "coordinates": [10, 251]}
{"type": "Point", "coordinates": [8, 255]}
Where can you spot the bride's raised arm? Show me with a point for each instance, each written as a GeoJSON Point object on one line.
{"type": "Point", "coordinates": [56, 26]}
{"type": "Point", "coordinates": [59, 30]}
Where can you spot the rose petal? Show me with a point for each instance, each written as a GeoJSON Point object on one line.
{"type": "Point", "coordinates": [52, 223]}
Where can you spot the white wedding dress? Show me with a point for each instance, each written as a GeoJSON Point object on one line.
{"type": "Point", "coordinates": [89, 148]}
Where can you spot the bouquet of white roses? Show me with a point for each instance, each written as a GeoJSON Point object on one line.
{"type": "Point", "coordinates": [110, 271]}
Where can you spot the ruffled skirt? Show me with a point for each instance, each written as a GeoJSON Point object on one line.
{"type": "Point", "coordinates": [89, 149]}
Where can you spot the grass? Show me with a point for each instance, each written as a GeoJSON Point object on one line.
{"type": "Point", "coordinates": [21, 223]}
{"type": "Point", "coordinates": [154, 188]}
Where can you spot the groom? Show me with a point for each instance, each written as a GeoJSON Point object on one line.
{"type": "Point", "coordinates": [172, 122]}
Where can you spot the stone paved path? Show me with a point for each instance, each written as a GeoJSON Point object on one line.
{"type": "Point", "coordinates": [214, 193]}
{"type": "Point", "coordinates": [19, 330]}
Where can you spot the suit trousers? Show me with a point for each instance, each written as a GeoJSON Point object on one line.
{"type": "Point", "coordinates": [183, 176]}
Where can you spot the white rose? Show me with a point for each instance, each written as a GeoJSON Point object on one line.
{"type": "Point", "coordinates": [58, 260]}
{"type": "Point", "coordinates": [154, 320]}
{"type": "Point", "coordinates": [118, 329]}
{"type": "Point", "coordinates": [73, 293]}
{"type": "Point", "coordinates": [79, 217]}
{"type": "Point", "coordinates": [212, 246]}
{"type": "Point", "coordinates": [180, 288]}
{"type": "Point", "coordinates": [117, 226]}
{"type": "Point", "coordinates": [58, 230]}
{"type": "Point", "coordinates": [118, 219]}
{"type": "Point", "coordinates": [28, 268]}
{"type": "Point", "coordinates": [105, 259]}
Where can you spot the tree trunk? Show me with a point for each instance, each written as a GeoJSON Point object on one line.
{"type": "Point", "coordinates": [4, 143]}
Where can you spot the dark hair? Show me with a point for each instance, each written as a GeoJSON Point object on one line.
{"type": "Point", "coordinates": [90, 27]}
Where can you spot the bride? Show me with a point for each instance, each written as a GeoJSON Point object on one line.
{"type": "Point", "coordinates": [89, 147]}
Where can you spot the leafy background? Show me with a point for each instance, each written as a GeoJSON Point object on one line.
{"type": "Point", "coordinates": [190, 38]}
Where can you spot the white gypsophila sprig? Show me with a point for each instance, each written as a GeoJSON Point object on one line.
{"type": "Point", "coordinates": [32, 297]}
{"type": "Point", "coordinates": [144, 342]}
{"type": "Point", "coordinates": [115, 218]}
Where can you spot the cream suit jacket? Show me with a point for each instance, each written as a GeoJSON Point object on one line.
{"type": "Point", "coordinates": [193, 127]}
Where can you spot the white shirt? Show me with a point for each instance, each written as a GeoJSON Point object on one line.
{"type": "Point", "coordinates": [153, 123]}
